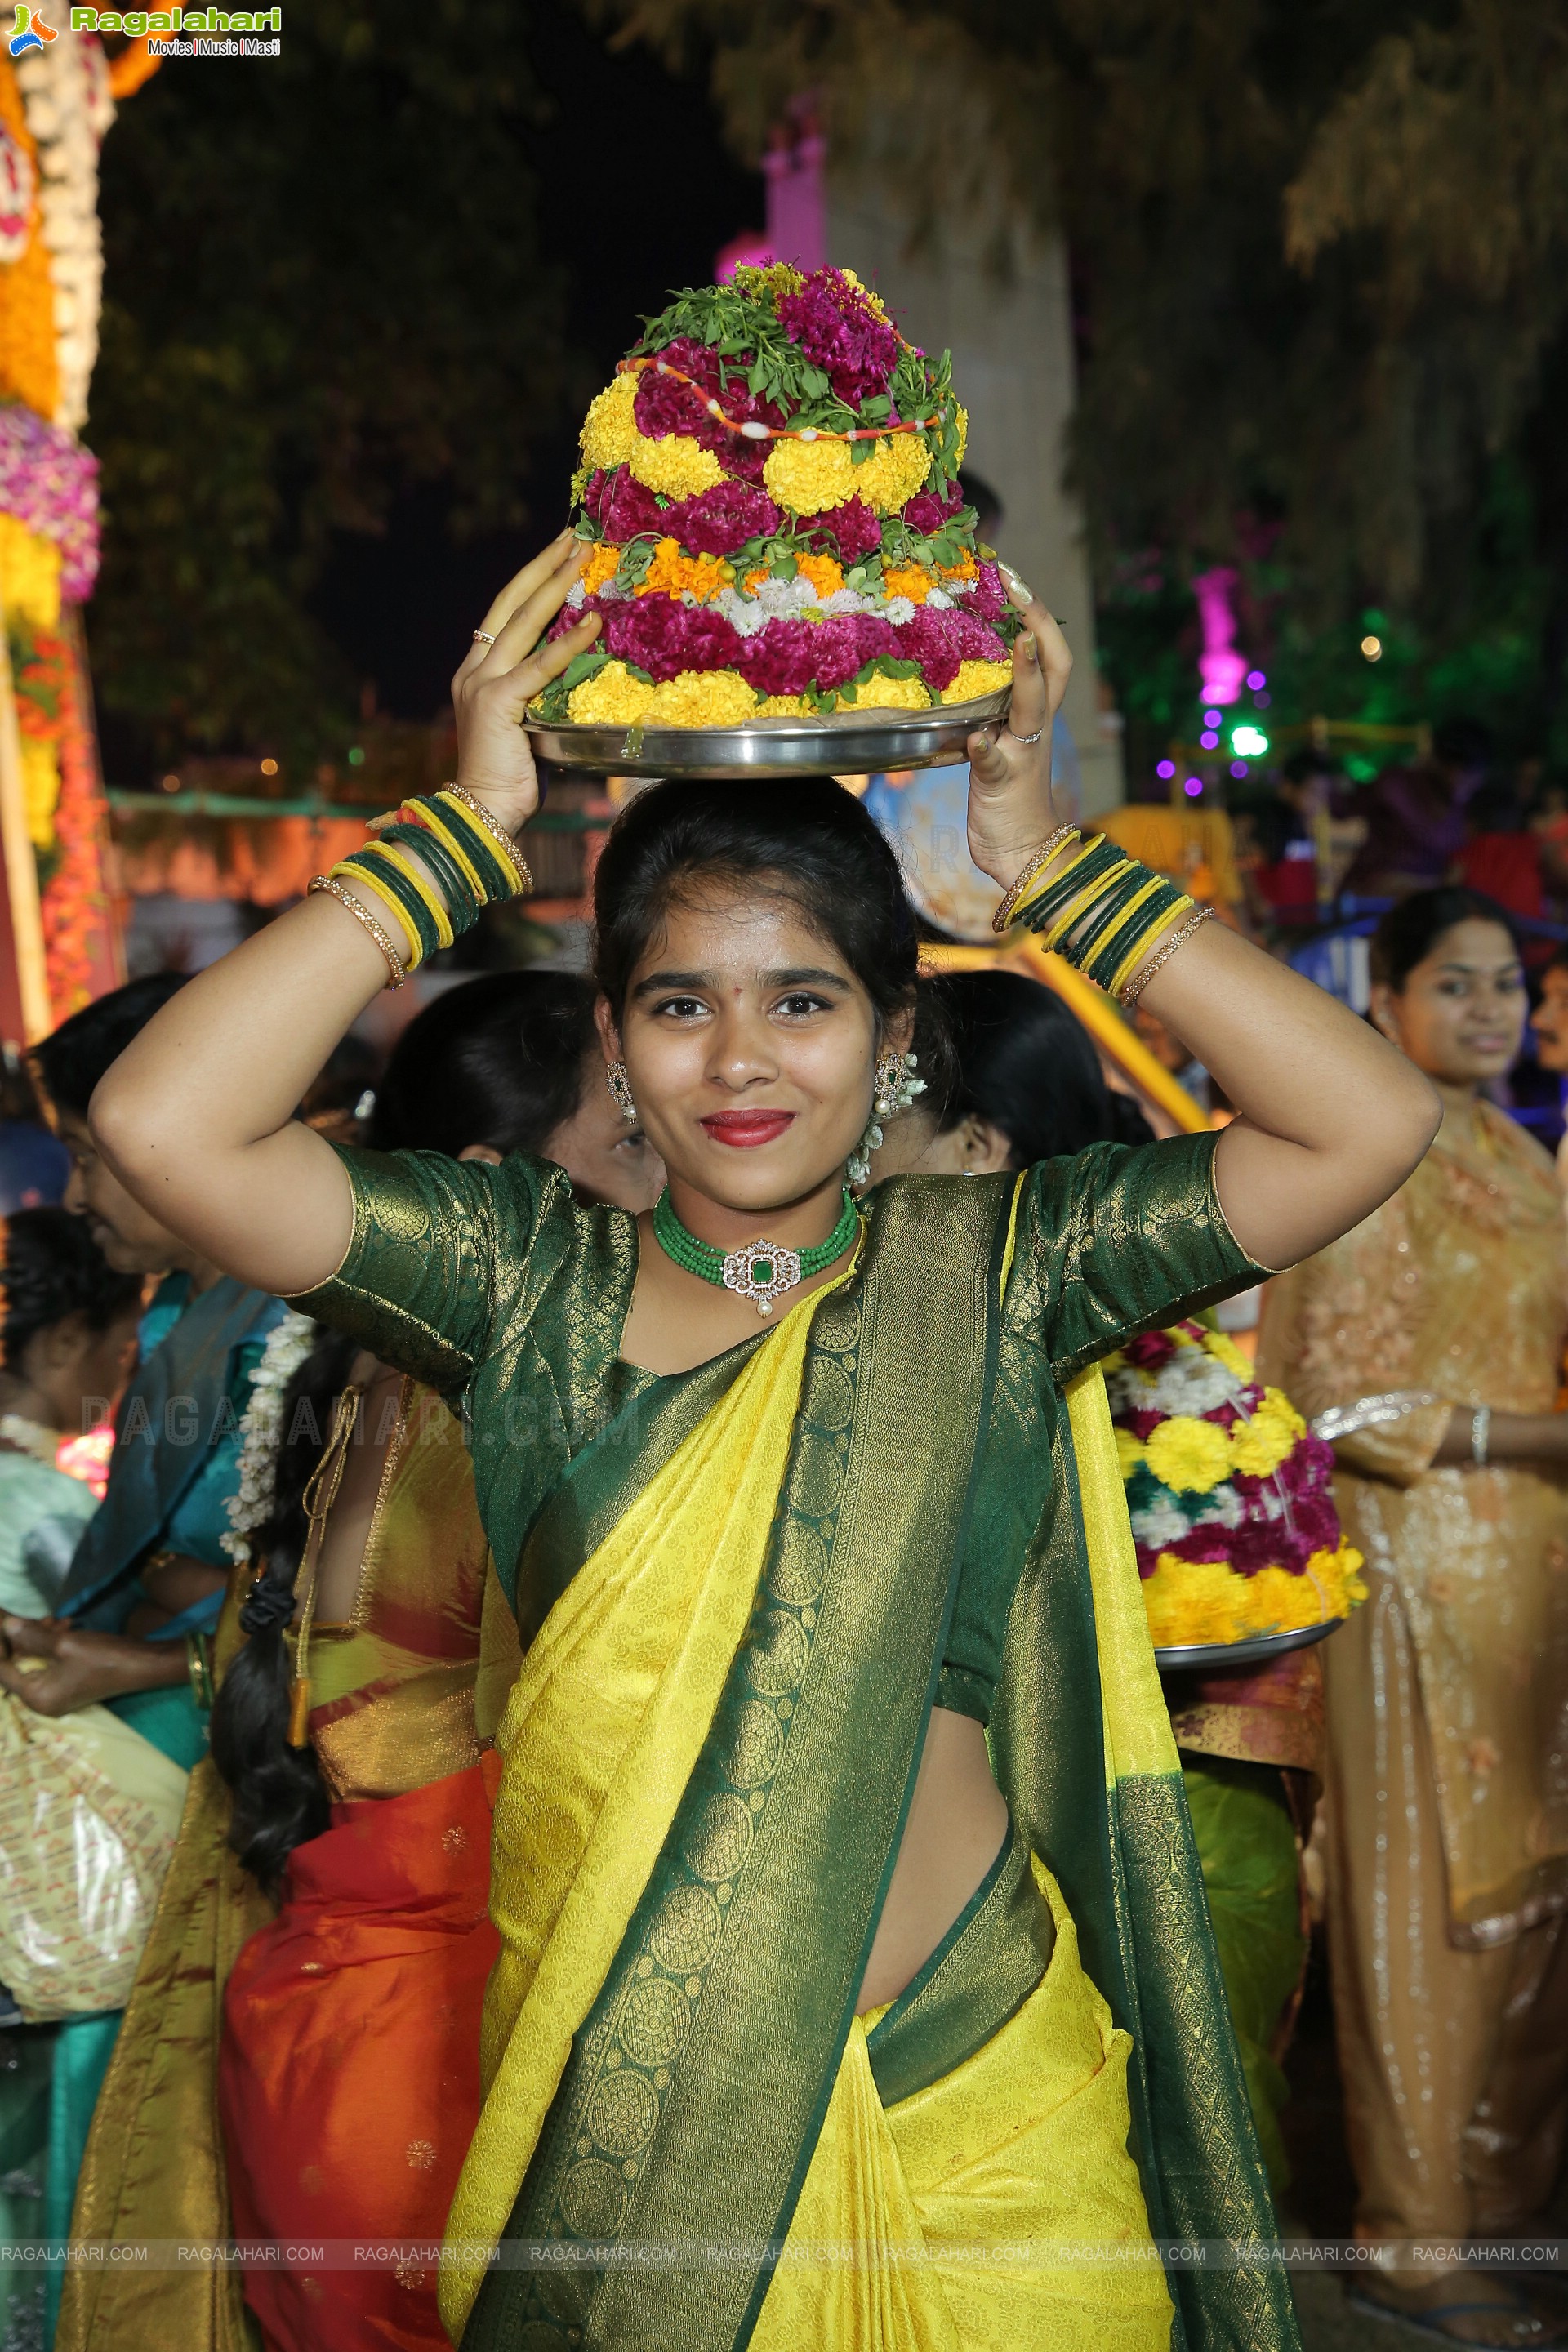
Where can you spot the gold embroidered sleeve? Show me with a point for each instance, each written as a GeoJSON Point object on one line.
{"type": "Point", "coordinates": [1121, 1239]}
{"type": "Point", "coordinates": [435, 1243]}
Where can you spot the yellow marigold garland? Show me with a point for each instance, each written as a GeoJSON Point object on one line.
{"type": "Point", "coordinates": [893, 472]}
{"type": "Point", "coordinates": [610, 428]}
{"type": "Point", "coordinates": [807, 477]}
{"type": "Point", "coordinates": [977, 678]}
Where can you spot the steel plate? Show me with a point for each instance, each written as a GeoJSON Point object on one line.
{"type": "Point", "coordinates": [1256, 1651]}
{"type": "Point", "coordinates": [847, 742]}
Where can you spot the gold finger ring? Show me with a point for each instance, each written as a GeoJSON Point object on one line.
{"type": "Point", "coordinates": [483, 637]}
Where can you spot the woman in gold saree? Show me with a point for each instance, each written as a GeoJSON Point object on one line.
{"type": "Point", "coordinates": [1428, 1346]}
{"type": "Point", "coordinates": [807, 2027]}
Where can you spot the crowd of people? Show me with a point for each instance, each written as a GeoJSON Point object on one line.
{"type": "Point", "coordinates": [628, 1553]}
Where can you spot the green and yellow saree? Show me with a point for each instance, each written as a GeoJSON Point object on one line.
{"type": "Point", "coordinates": [740, 1591]}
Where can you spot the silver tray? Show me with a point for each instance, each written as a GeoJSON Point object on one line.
{"type": "Point", "coordinates": [1256, 1651]}
{"type": "Point", "coordinates": [846, 742]}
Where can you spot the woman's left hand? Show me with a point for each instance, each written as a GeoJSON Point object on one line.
{"type": "Point", "coordinates": [1011, 807]}
{"type": "Point", "coordinates": [74, 1667]}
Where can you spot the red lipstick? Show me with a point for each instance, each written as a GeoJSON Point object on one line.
{"type": "Point", "coordinates": [746, 1128]}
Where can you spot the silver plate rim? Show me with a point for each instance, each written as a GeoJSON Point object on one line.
{"type": "Point", "coordinates": [1182, 1657]}
{"type": "Point", "coordinates": [847, 742]}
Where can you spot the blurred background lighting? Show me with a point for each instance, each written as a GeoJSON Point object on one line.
{"type": "Point", "coordinates": [1211, 718]}
{"type": "Point", "coordinates": [1250, 743]}
{"type": "Point", "coordinates": [1193, 787]}
{"type": "Point", "coordinates": [269, 767]}
{"type": "Point", "coordinates": [1165, 771]}
{"type": "Point", "coordinates": [1256, 680]}
{"type": "Point", "coordinates": [1238, 768]}
{"type": "Point", "coordinates": [1208, 738]}
{"type": "Point", "coordinates": [1373, 648]}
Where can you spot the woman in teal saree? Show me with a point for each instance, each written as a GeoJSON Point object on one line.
{"type": "Point", "coordinates": [856, 1982]}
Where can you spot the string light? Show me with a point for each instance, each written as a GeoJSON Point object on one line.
{"type": "Point", "coordinates": [1165, 771]}
{"type": "Point", "coordinates": [1209, 740]}
{"type": "Point", "coordinates": [1373, 648]}
{"type": "Point", "coordinates": [1256, 680]}
{"type": "Point", "coordinates": [1193, 787]}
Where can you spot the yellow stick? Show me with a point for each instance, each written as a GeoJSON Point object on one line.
{"type": "Point", "coordinates": [1092, 1007]}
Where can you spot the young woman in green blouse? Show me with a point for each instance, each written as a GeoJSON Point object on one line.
{"type": "Point", "coordinates": [855, 1984]}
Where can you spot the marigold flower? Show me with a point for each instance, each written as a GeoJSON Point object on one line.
{"type": "Point", "coordinates": [612, 698]}
{"type": "Point", "coordinates": [609, 430]}
{"type": "Point", "coordinates": [963, 569]}
{"type": "Point", "coordinates": [809, 477]}
{"type": "Point", "coordinates": [713, 698]}
{"type": "Point", "coordinates": [678, 467]}
{"type": "Point", "coordinates": [975, 678]}
{"type": "Point", "coordinates": [602, 565]}
{"type": "Point", "coordinates": [825, 575]}
{"type": "Point", "coordinates": [1259, 1445]}
{"type": "Point", "coordinates": [898, 465]}
{"type": "Point", "coordinates": [671, 573]}
{"type": "Point", "coordinates": [907, 579]}
{"type": "Point", "coordinates": [963, 432]}
{"type": "Point", "coordinates": [783, 706]}
{"type": "Point", "coordinates": [879, 693]}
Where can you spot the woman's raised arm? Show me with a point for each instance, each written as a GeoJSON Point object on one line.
{"type": "Point", "coordinates": [197, 1116]}
{"type": "Point", "coordinates": [1330, 1119]}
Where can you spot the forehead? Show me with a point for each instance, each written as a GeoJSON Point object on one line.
{"type": "Point", "coordinates": [720, 929]}
{"type": "Point", "coordinates": [1477, 945]}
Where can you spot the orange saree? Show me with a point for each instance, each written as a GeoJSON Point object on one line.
{"type": "Point", "coordinates": [383, 1947]}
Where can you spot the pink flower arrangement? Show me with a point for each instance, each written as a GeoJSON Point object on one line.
{"type": "Point", "coordinates": [722, 520]}
{"type": "Point", "coordinates": [854, 532]}
{"type": "Point", "coordinates": [986, 596]}
{"type": "Point", "coordinates": [931, 639]}
{"type": "Point", "coordinates": [928, 510]}
{"type": "Point", "coordinates": [839, 331]}
{"type": "Point", "coordinates": [657, 635]}
{"type": "Point", "coordinates": [623, 507]}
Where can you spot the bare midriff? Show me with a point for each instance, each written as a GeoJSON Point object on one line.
{"type": "Point", "coordinates": [956, 1827]}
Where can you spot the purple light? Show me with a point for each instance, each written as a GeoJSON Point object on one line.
{"type": "Point", "coordinates": [1238, 767]}
{"type": "Point", "coordinates": [1220, 667]}
{"type": "Point", "coordinates": [1165, 771]}
{"type": "Point", "coordinates": [1262, 701]}
{"type": "Point", "coordinates": [1209, 740]}
{"type": "Point", "coordinates": [1193, 787]}
{"type": "Point", "coordinates": [1256, 679]}
{"type": "Point", "coordinates": [1211, 718]}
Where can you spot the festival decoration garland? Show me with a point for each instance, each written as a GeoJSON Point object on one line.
{"type": "Point", "coordinates": [770, 483]}
{"type": "Point", "coordinates": [261, 1430]}
{"type": "Point", "coordinates": [1231, 1497]}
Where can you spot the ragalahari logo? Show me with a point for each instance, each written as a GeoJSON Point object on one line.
{"type": "Point", "coordinates": [30, 32]}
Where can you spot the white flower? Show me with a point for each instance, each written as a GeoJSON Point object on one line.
{"type": "Point", "coordinates": [261, 1429]}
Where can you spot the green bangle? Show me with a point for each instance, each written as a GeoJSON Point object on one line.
{"type": "Point", "coordinates": [421, 923]}
{"type": "Point", "coordinates": [1102, 958]}
{"type": "Point", "coordinates": [500, 880]}
{"type": "Point", "coordinates": [462, 907]}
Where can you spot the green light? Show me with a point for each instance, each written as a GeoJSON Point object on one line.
{"type": "Point", "coordinates": [1250, 743]}
{"type": "Point", "coordinates": [356, 757]}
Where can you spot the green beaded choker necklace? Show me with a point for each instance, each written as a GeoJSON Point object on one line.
{"type": "Point", "coordinates": [761, 1271]}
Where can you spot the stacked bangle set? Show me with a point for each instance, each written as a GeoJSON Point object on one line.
{"type": "Point", "coordinates": [435, 862]}
{"type": "Point", "coordinates": [1101, 911]}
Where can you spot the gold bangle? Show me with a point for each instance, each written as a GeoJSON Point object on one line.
{"type": "Point", "coordinates": [1001, 919]}
{"type": "Point", "coordinates": [1135, 988]}
{"type": "Point", "coordinates": [498, 833]}
{"type": "Point", "coordinates": [363, 915]}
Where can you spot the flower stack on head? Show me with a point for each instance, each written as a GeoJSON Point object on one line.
{"type": "Point", "coordinates": [1231, 1497]}
{"type": "Point", "coordinates": [771, 485]}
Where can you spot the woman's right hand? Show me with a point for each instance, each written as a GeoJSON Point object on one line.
{"type": "Point", "coordinates": [495, 683]}
{"type": "Point", "coordinates": [74, 1667]}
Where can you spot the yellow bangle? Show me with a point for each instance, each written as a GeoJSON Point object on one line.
{"type": "Point", "coordinates": [1067, 920]}
{"type": "Point", "coordinates": [1008, 912]}
{"type": "Point", "coordinates": [363, 917]}
{"type": "Point", "coordinates": [1139, 901]}
{"type": "Point", "coordinates": [497, 830]}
